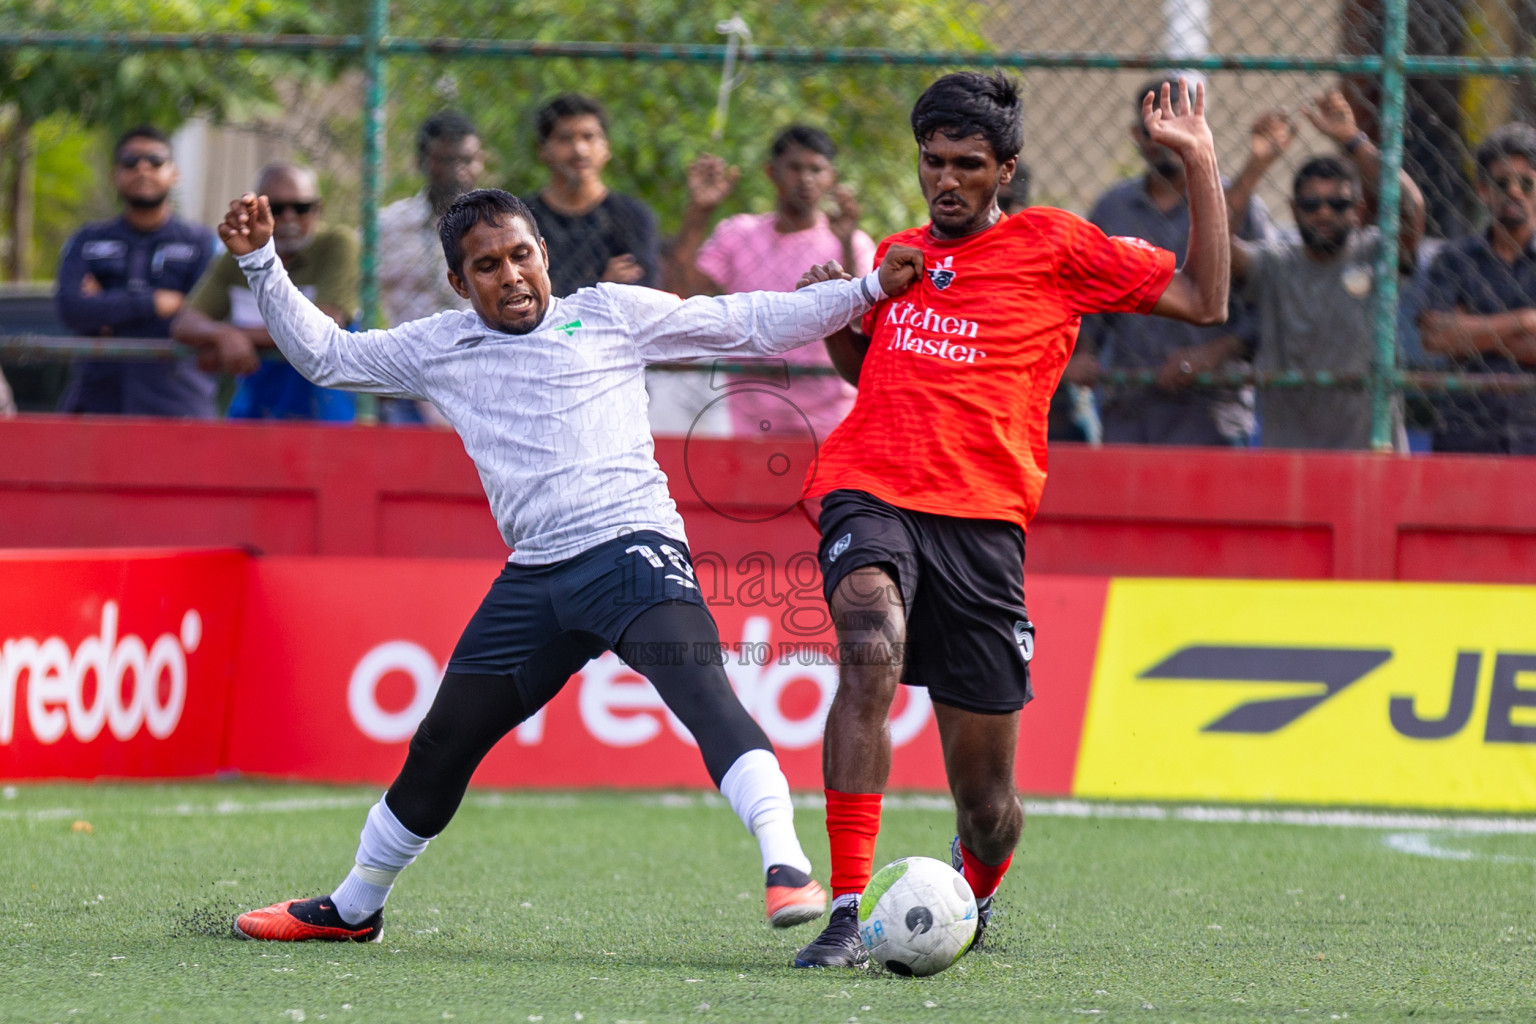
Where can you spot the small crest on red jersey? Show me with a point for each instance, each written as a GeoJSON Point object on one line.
{"type": "Point", "coordinates": [943, 275]}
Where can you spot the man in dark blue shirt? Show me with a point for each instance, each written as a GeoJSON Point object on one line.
{"type": "Point", "coordinates": [126, 278]}
{"type": "Point", "coordinates": [1479, 304]}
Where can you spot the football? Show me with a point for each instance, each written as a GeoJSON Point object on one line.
{"type": "Point", "coordinates": [917, 916]}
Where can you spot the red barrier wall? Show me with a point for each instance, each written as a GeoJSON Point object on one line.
{"type": "Point", "coordinates": [300, 489]}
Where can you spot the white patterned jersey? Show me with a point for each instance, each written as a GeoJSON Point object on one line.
{"type": "Point", "coordinates": [555, 420]}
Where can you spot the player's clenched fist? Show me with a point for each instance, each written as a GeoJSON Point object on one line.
{"type": "Point", "coordinates": [901, 267]}
{"type": "Point", "coordinates": [247, 225]}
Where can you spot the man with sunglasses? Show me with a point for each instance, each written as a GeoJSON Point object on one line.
{"type": "Point", "coordinates": [1315, 296]}
{"type": "Point", "coordinates": [126, 278]}
{"type": "Point", "coordinates": [220, 317]}
{"type": "Point", "coordinates": [1480, 303]}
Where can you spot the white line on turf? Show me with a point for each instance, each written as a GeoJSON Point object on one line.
{"type": "Point", "coordinates": [1420, 844]}
{"type": "Point", "coordinates": [1203, 814]}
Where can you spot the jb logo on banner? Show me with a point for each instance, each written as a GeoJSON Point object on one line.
{"type": "Point", "coordinates": [1354, 693]}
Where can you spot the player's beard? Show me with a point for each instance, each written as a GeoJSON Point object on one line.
{"type": "Point", "coordinates": [1512, 217]}
{"type": "Point", "coordinates": [527, 322]}
{"type": "Point", "coordinates": [1321, 243]}
{"type": "Point", "coordinates": [143, 202]}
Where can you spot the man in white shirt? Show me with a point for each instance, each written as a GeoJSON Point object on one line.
{"type": "Point", "coordinates": [548, 395]}
{"type": "Point", "coordinates": [412, 284]}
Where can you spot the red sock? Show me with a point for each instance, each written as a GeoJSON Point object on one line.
{"type": "Point", "coordinates": [853, 821]}
{"type": "Point", "coordinates": [983, 878]}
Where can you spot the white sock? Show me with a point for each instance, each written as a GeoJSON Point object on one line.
{"type": "Point", "coordinates": [847, 899]}
{"type": "Point", "coordinates": [759, 794]}
{"type": "Point", "coordinates": [385, 849]}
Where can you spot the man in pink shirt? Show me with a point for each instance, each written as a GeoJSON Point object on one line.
{"type": "Point", "coordinates": [769, 252]}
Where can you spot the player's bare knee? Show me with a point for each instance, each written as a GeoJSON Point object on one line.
{"type": "Point", "coordinates": [991, 818]}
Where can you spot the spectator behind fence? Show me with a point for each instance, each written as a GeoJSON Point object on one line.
{"type": "Point", "coordinates": [768, 252]}
{"type": "Point", "coordinates": [592, 234]}
{"type": "Point", "coordinates": [1315, 297]}
{"type": "Point", "coordinates": [126, 278]}
{"type": "Point", "coordinates": [412, 284]}
{"type": "Point", "coordinates": [7, 400]}
{"type": "Point", "coordinates": [1479, 303]}
{"type": "Point", "coordinates": [1153, 207]}
{"type": "Point", "coordinates": [221, 319]}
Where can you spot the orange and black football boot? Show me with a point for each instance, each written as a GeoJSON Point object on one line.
{"type": "Point", "coordinates": [306, 921]}
{"type": "Point", "coordinates": [793, 897]}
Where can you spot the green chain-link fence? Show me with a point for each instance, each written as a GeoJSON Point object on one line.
{"type": "Point", "coordinates": [346, 87]}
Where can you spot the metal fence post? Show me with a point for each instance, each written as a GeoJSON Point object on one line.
{"type": "Point", "coordinates": [1389, 197]}
{"type": "Point", "coordinates": [373, 175]}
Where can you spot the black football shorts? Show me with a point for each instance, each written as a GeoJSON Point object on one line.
{"type": "Point", "coordinates": [969, 639]}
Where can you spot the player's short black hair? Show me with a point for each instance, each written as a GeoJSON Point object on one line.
{"type": "Point", "coordinates": [806, 137]}
{"type": "Point", "coordinates": [1326, 168]}
{"type": "Point", "coordinates": [445, 124]}
{"type": "Point", "coordinates": [969, 103]}
{"type": "Point", "coordinates": [480, 206]}
{"type": "Point", "coordinates": [1507, 140]}
{"type": "Point", "coordinates": [567, 104]}
{"type": "Point", "coordinates": [143, 131]}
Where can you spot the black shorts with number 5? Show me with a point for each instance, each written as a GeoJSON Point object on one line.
{"type": "Point", "coordinates": [969, 639]}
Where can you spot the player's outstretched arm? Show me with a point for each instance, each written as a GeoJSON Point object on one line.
{"type": "Point", "coordinates": [763, 323]}
{"type": "Point", "coordinates": [385, 362]}
{"type": "Point", "coordinates": [1198, 292]}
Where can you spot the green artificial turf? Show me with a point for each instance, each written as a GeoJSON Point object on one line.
{"type": "Point", "coordinates": [613, 907]}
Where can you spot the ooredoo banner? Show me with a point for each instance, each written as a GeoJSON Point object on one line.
{"type": "Point", "coordinates": [341, 658]}
{"type": "Point", "coordinates": [116, 663]}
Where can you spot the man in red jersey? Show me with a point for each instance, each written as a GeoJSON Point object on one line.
{"type": "Point", "coordinates": [928, 484]}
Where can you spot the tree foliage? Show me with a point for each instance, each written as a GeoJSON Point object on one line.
{"type": "Point", "coordinates": [113, 89]}
{"type": "Point", "coordinates": [660, 112]}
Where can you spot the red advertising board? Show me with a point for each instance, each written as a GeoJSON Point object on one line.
{"type": "Point", "coordinates": [116, 663]}
{"type": "Point", "coordinates": [173, 663]}
{"type": "Point", "coordinates": [341, 656]}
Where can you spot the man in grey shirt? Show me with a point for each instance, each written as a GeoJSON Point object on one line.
{"type": "Point", "coordinates": [1153, 207]}
{"type": "Point", "coordinates": [1315, 296]}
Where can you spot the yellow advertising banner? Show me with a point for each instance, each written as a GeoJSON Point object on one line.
{"type": "Point", "coordinates": [1392, 694]}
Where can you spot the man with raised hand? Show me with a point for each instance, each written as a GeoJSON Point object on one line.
{"type": "Point", "coordinates": [1315, 296]}
{"type": "Point", "coordinates": [967, 361]}
{"type": "Point", "coordinates": [548, 396]}
{"type": "Point", "coordinates": [751, 251]}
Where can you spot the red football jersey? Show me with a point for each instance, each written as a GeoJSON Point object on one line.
{"type": "Point", "coordinates": [957, 383]}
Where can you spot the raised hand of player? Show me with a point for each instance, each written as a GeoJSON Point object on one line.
{"type": "Point", "coordinates": [1178, 122]}
{"type": "Point", "coordinates": [843, 212]}
{"type": "Point", "coordinates": [710, 180]}
{"type": "Point", "coordinates": [248, 224]}
{"type": "Point", "coordinates": [902, 266]}
{"type": "Point", "coordinates": [1330, 114]}
{"type": "Point", "coordinates": [1272, 134]}
{"type": "Point", "coordinates": [828, 271]}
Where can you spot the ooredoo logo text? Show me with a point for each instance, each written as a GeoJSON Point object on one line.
{"type": "Point", "coordinates": [120, 683]}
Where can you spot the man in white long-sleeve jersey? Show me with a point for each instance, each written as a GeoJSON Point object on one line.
{"type": "Point", "coordinates": [548, 396]}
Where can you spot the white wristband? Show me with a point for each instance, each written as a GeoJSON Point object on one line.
{"type": "Point", "coordinates": [869, 287]}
